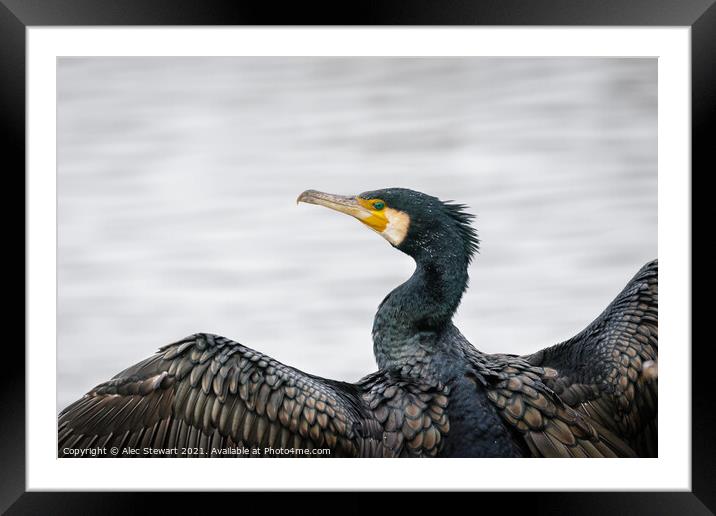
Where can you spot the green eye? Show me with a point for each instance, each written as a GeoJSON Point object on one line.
{"type": "Point", "coordinates": [379, 205]}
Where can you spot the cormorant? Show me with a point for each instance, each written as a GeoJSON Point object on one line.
{"type": "Point", "coordinates": [434, 394]}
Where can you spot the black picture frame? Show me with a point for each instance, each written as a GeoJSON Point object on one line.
{"type": "Point", "coordinates": [17, 15]}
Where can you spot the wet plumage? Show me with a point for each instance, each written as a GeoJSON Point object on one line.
{"type": "Point", "coordinates": [434, 394]}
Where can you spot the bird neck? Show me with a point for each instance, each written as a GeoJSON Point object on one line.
{"type": "Point", "coordinates": [411, 319]}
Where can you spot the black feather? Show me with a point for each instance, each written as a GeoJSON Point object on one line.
{"type": "Point", "coordinates": [463, 221]}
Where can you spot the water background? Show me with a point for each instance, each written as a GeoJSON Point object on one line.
{"type": "Point", "coordinates": [177, 180]}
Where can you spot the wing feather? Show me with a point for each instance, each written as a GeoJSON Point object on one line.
{"type": "Point", "coordinates": [608, 371]}
{"type": "Point", "coordinates": [209, 392]}
{"type": "Point", "coordinates": [547, 426]}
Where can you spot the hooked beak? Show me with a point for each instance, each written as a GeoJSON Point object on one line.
{"type": "Point", "coordinates": [343, 203]}
{"type": "Point", "coordinates": [389, 223]}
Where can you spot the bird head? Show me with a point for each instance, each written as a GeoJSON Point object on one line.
{"type": "Point", "coordinates": [413, 222]}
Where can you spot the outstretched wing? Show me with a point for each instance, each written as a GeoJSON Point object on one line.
{"type": "Point", "coordinates": [609, 370]}
{"type": "Point", "coordinates": [208, 396]}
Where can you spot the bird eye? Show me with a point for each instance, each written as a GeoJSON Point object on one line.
{"type": "Point", "coordinates": [379, 205]}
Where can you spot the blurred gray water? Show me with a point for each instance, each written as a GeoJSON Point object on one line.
{"type": "Point", "coordinates": [177, 180]}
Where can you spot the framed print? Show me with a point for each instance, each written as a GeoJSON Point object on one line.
{"type": "Point", "coordinates": [192, 293]}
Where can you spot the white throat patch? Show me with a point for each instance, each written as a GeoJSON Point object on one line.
{"type": "Point", "coordinates": [397, 228]}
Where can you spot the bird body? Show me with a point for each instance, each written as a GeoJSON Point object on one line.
{"type": "Point", "coordinates": [434, 393]}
